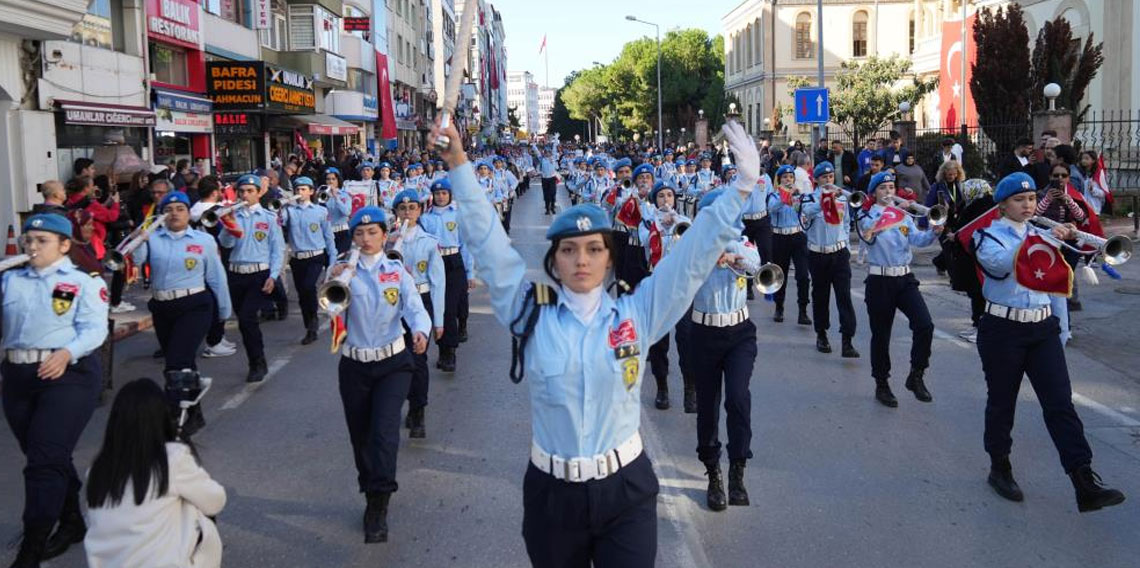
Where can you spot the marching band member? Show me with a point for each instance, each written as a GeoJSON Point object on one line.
{"type": "Point", "coordinates": [310, 236]}
{"type": "Point", "coordinates": [829, 261]}
{"type": "Point", "coordinates": [1018, 335]}
{"type": "Point", "coordinates": [54, 318]}
{"type": "Point", "coordinates": [629, 216]}
{"type": "Point", "coordinates": [375, 369]}
{"type": "Point", "coordinates": [590, 494]}
{"type": "Point", "coordinates": [757, 225]}
{"type": "Point", "coordinates": [668, 168]}
{"type": "Point", "coordinates": [386, 187]}
{"type": "Point", "coordinates": [576, 181]}
{"type": "Point", "coordinates": [420, 252]}
{"type": "Point", "coordinates": [442, 220]}
{"type": "Point", "coordinates": [789, 245]}
{"type": "Point", "coordinates": [687, 181]}
{"type": "Point", "coordinates": [889, 234]}
{"type": "Point", "coordinates": [706, 178]}
{"type": "Point", "coordinates": [340, 207]}
{"type": "Point", "coordinates": [722, 345]}
{"type": "Point", "coordinates": [188, 283]}
{"type": "Point", "coordinates": [506, 182]}
{"type": "Point", "coordinates": [547, 166]}
{"type": "Point", "coordinates": [254, 265]}
{"type": "Point", "coordinates": [598, 183]}
{"type": "Point", "coordinates": [365, 171]}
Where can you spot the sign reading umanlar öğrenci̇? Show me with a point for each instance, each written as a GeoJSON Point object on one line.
{"type": "Point", "coordinates": [255, 85]}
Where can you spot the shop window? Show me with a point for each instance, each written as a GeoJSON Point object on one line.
{"type": "Point", "coordinates": [101, 26]}
{"type": "Point", "coordinates": [168, 63]}
{"type": "Point", "coordinates": [274, 37]}
{"type": "Point", "coordinates": [361, 81]}
{"type": "Point", "coordinates": [230, 10]}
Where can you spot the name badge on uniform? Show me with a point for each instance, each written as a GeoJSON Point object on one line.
{"type": "Point", "coordinates": [392, 295]}
{"type": "Point", "coordinates": [390, 276]}
{"type": "Point", "coordinates": [261, 226]}
{"type": "Point", "coordinates": [194, 249]}
{"type": "Point", "coordinates": [62, 297]}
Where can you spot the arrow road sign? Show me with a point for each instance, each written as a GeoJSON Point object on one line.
{"type": "Point", "coordinates": [813, 105]}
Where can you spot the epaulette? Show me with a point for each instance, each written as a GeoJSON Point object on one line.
{"type": "Point", "coordinates": [544, 294]}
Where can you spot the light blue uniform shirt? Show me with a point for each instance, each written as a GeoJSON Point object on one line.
{"type": "Point", "coordinates": [443, 222]}
{"type": "Point", "coordinates": [181, 262]}
{"type": "Point", "coordinates": [820, 233]}
{"type": "Point", "coordinates": [340, 208]}
{"type": "Point", "coordinates": [506, 181]}
{"type": "Point", "coordinates": [584, 400]}
{"type": "Point", "coordinates": [421, 256]}
{"type": "Point", "coordinates": [892, 247]}
{"type": "Point", "coordinates": [61, 307]}
{"type": "Point", "coordinates": [996, 251]}
{"type": "Point", "coordinates": [546, 167]}
{"type": "Point", "coordinates": [758, 201]}
{"type": "Point", "coordinates": [307, 228]}
{"type": "Point", "coordinates": [783, 216]}
{"type": "Point", "coordinates": [706, 179]}
{"type": "Point", "coordinates": [666, 235]}
{"type": "Point", "coordinates": [261, 239]}
{"type": "Point", "coordinates": [724, 292]}
{"type": "Point", "coordinates": [575, 181]}
{"type": "Point", "coordinates": [596, 187]}
{"type": "Point", "coordinates": [386, 191]}
{"type": "Point", "coordinates": [381, 297]}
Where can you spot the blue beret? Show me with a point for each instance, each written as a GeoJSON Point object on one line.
{"type": "Point", "coordinates": [396, 174]}
{"type": "Point", "coordinates": [1012, 185]}
{"type": "Point", "coordinates": [332, 170]}
{"type": "Point", "coordinates": [173, 197]}
{"type": "Point", "coordinates": [406, 196]}
{"type": "Point", "coordinates": [597, 163]}
{"type": "Point", "coordinates": [441, 185]}
{"type": "Point", "coordinates": [691, 162]}
{"type": "Point", "coordinates": [880, 178]}
{"type": "Point", "coordinates": [497, 159]}
{"type": "Point", "coordinates": [660, 186]}
{"type": "Point", "coordinates": [366, 216]}
{"type": "Point", "coordinates": [668, 152]}
{"type": "Point", "coordinates": [303, 180]}
{"type": "Point", "coordinates": [784, 169]}
{"type": "Point", "coordinates": [823, 168]}
{"type": "Point", "coordinates": [51, 222]}
{"type": "Point", "coordinates": [709, 198]}
{"type": "Point", "coordinates": [706, 156]}
{"type": "Point", "coordinates": [383, 165]}
{"type": "Point", "coordinates": [578, 161]}
{"type": "Point", "coordinates": [581, 219]}
{"type": "Point", "coordinates": [642, 169]}
{"type": "Point", "coordinates": [361, 167]}
{"type": "Point", "coordinates": [623, 163]}
{"type": "Point", "coordinates": [727, 167]}
{"type": "Point", "coordinates": [483, 164]}
{"type": "Point", "coordinates": [248, 179]}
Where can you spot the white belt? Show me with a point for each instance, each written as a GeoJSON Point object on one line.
{"type": "Point", "coordinates": [828, 249]}
{"type": "Point", "coordinates": [619, 228]}
{"type": "Point", "coordinates": [721, 320]}
{"type": "Point", "coordinates": [874, 270]}
{"type": "Point", "coordinates": [423, 288]}
{"type": "Point", "coordinates": [755, 216]}
{"type": "Point", "coordinates": [248, 268]}
{"type": "Point", "coordinates": [1023, 315]}
{"type": "Point", "coordinates": [448, 251]}
{"type": "Point", "coordinates": [634, 238]}
{"type": "Point", "coordinates": [786, 230]}
{"type": "Point", "coordinates": [578, 470]}
{"type": "Point", "coordinates": [26, 356]}
{"type": "Point", "coordinates": [339, 227]}
{"type": "Point", "coordinates": [307, 254]}
{"type": "Point", "coordinates": [374, 354]}
{"type": "Point", "coordinates": [167, 295]}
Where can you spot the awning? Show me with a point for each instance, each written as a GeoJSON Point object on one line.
{"type": "Point", "coordinates": [317, 124]}
{"type": "Point", "coordinates": [76, 112]}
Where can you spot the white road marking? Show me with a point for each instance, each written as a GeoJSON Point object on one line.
{"type": "Point", "coordinates": [278, 364]}
{"type": "Point", "coordinates": [690, 550]}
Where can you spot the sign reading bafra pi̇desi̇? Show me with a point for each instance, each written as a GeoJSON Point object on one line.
{"type": "Point", "coordinates": [175, 22]}
{"type": "Point", "coordinates": [236, 85]}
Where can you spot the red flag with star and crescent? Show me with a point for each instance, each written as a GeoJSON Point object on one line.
{"type": "Point", "coordinates": [339, 332]}
{"type": "Point", "coordinates": [787, 195]}
{"type": "Point", "coordinates": [891, 218]}
{"type": "Point", "coordinates": [1040, 266]}
{"type": "Point", "coordinates": [656, 247]}
{"type": "Point", "coordinates": [830, 206]}
{"type": "Point", "coordinates": [630, 212]}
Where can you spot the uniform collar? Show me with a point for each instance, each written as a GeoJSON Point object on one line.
{"type": "Point", "coordinates": [578, 304]}
{"type": "Point", "coordinates": [63, 265]}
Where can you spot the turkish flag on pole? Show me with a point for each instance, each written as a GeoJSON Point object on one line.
{"type": "Point", "coordinates": [656, 247]}
{"type": "Point", "coordinates": [830, 206]}
{"type": "Point", "coordinates": [1101, 179]}
{"type": "Point", "coordinates": [891, 217]}
{"type": "Point", "coordinates": [630, 212]}
{"type": "Point", "coordinates": [387, 111]}
{"type": "Point", "coordinates": [1041, 267]}
{"type": "Point", "coordinates": [951, 84]}
{"type": "Point", "coordinates": [965, 234]}
{"type": "Point", "coordinates": [543, 46]}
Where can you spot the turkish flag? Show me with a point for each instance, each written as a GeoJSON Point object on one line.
{"type": "Point", "coordinates": [303, 144]}
{"type": "Point", "coordinates": [387, 111]}
{"type": "Point", "coordinates": [891, 217]}
{"type": "Point", "coordinates": [951, 83]}
{"type": "Point", "coordinates": [656, 247]}
{"type": "Point", "coordinates": [630, 212]}
{"type": "Point", "coordinates": [831, 210]}
{"type": "Point", "coordinates": [339, 332]}
{"type": "Point", "coordinates": [1041, 267]}
{"type": "Point", "coordinates": [965, 234]}
{"type": "Point", "coordinates": [787, 196]}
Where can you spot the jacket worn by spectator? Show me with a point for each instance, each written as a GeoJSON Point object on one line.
{"type": "Point", "coordinates": [102, 215]}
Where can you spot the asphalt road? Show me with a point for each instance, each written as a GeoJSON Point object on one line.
{"type": "Point", "coordinates": [837, 479]}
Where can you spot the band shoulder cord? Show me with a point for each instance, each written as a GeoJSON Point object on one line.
{"type": "Point", "coordinates": [537, 295]}
{"type": "Point", "coordinates": [974, 253]}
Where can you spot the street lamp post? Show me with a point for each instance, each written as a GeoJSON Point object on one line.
{"type": "Point", "coordinates": [658, 28]}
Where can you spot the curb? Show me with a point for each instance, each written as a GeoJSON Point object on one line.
{"type": "Point", "coordinates": [127, 329]}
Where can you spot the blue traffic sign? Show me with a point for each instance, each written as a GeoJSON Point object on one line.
{"type": "Point", "coordinates": [813, 105]}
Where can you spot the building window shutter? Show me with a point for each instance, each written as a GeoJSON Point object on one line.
{"type": "Point", "coordinates": [302, 28]}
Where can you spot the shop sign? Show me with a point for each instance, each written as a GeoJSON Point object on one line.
{"type": "Point", "coordinates": [336, 67]}
{"type": "Point", "coordinates": [363, 24]}
{"type": "Point", "coordinates": [100, 115]}
{"type": "Point", "coordinates": [289, 91]}
{"type": "Point", "coordinates": [236, 85]}
{"type": "Point", "coordinates": [262, 14]}
{"type": "Point", "coordinates": [237, 124]}
{"type": "Point", "coordinates": [177, 121]}
{"type": "Point", "coordinates": [371, 104]}
{"type": "Point", "coordinates": [175, 21]}
{"type": "Point", "coordinates": [174, 101]}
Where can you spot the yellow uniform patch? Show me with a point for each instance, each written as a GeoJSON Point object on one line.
{"type": "Point", "coordinates": [451, 225]}
{"type": "Point", "coordinates": [60, 306]}
{"type": "Point", "coordinates": [629, 372]}
{"type": "Point", "coordinates": [905, 230]}
{"type": "Point", "coordinates": [392, 295]}
{"type": "Point", "coordinates": [421, 266]}
{"type": "Point", "coordinates": [741, 282]}
{"type": "Point", "coordinates": [314, 227]}
{"type": "Point", "coordinates": [259, 235]}
{"type": "Point", "coordinates": [190, 263]}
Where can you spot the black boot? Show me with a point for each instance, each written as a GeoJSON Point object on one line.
{"type": "Point", "coordinates": [32, 546]}
{"type": "Point", "coordinates": [715, 495]}
{"type": "Point", "coordinates": [662, 400]}
{"type": "Point", "coordinates": [804, 319]}
{"type": "Point", "coordinates": [257, 370]}
{"type": "Point", "coordinates": [70, 530]}
{"type": "Point", "coordinates": [195, 421]}
{"type": "Point", "coordinates": [884, 395]}
{"type": "Point", "coordinates": [462, 336]}
{"type": "Point", "coordinates": [310, 330]}
{"type": "Point", "coordinates": [690, 399]}
{"type": "Point", "coordinates": [447, 359]}
{"type": "Point", "coordinates": [822, 344]}
{"type": "Point", "coordinates": [416, 428]}
{"type": "Point", "coordinates": [915, 384]}
{"type": "Point", "coordinates": [849, 351]}
{"type": "Point", "coordinates": [737, 494]}
{"type": "Point", "coordinates": [1092, 495]}
{"type": "Point", "coordinates": [778, 317]}
{"type": "Point", "coordinates": [1001, 479]}
{"type": "Point", "coordinates": [376, 517]}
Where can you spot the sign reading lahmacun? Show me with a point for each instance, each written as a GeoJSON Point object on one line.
{"type": "Point", "coordinates": [174, 21]}
{"type": "Point", "coordinates": [254, 85]}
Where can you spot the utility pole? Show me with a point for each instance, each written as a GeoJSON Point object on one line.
{"type": "Point", "coordinates": [818, 129]}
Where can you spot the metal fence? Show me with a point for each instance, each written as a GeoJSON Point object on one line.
{"type": "Point", "coordinates": [1115, 135]}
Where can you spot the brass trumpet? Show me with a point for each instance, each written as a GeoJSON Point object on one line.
{"type": "Point", "coordinates": [14, 262]}
{"type": "Point", "coordinates": [395, 245]}
{"type": "Point", "coordinates": [1116, 249]}
{"type": "Point", "coordinates": [324, 194]}
{"type": "Point", "coordinates": [936, 214]}
{"type": "Point", "coordinates": [855, 199]}
{"type": "Point", "coordinates": [768, 279]}
{"type": "Point", "coordinates": [211, 218]}
{"type": "Point", "coordinates": [334, 295]}
{"type": "Point", "coordinates": [117, 259]}
{"type": "Point", "coordinates": [276, 204]}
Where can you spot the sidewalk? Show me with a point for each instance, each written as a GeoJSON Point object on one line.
{"type": "Point", "coordinates": [130, 323]}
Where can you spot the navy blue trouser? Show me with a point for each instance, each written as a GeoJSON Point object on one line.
{"type": "Point", "coordinates": [418, 392]}
{"type": "Point", "coordinates": [681, 334]}
{"type": "Point", "coordinates": [181, 325]}
{"type": "Point", "coordinates": [885, 294]}
{"type": "Point", "coordinates": [722, 359]}
{"type": "Point", "coordinates": [828, 272]}
{"type": "Point", "coordinates": [217, 331]}
{"type": "Point", "coordinates": [1010, 350]}
{"type": "Point", "coordinates": [605, 523]}
{"type": "Point", "coordinates": [306, 272]}
{"type": "Point", "coordinates": [760, 233]}
{"type": "Point", "coordinates": [248, 299]}
{"type": "Point", "coordinates": [659, 361]}
{"type": "Point", "coordinates": [343, 241]}
{"type": "Point", "coordinates": [372, 395]}
{"type": "Point", "coordinates": [454, 300]}
{"type": "Point", "coordinates": [786, 251]}
{"type": "Point", "coordinates": [47, 418]}
{"type": "Point", "coordinates": [549, 192]}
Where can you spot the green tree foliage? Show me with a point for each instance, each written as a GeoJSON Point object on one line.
{"type": "Point", "coordinates": [1060, 58]}
{"type": "Point", "coordinates": [868, 93]}
{"type": "Point", "coordinates": [560, 119]}
{"type": "Point", "coordinates": [513, 118]}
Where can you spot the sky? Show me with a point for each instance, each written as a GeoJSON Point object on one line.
{"type": "Point", "coordinates": [579, 32]}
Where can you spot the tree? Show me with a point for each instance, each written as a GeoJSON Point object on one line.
{"type": "Point", "coordinates": [560, 120]}
{"type": "Point", "coordinates": [866, 96]}
{"type": "Point", "coordinates": [1059, 58]}
{"type": "Point", "coordinates": [1000, 81]}
{"type": "Point", "coordinates": [513, 118]}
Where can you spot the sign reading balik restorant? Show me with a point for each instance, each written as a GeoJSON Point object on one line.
{"type": "Point", "coordinates": [175, 22]}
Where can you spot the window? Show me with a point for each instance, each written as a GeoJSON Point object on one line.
{"type": "Point", "coordinates": [274, 37]}
{"type": "Point", "coordinates": [400, 49]}
{"type": "Point", "coordinates": [805, 49]}
{"type": "Point", "coordinates": [101, 26]}
{"type": "Point", "coordinates": [859, 35]}
{"type": "Point", "coordinates": [232, 10]}
{"type": "Point", "coordinates": [361, 81]}
{"type": "Point", "coordinates": [910, 33]}
{"type": "Point", "coordinates": [168, 63]}
{"type": "Point", "coordinates": [313, 27]}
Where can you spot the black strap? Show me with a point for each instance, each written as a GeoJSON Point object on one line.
{"type": "Point", "coordinates": [974, 253]}
{"type": "Point", "coordinates": [536, 296]}
{"type": "Point", "coordinates": [859, 216]}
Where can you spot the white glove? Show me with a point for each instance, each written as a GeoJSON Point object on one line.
{"type": "Point", "coordinates": [747, 157]}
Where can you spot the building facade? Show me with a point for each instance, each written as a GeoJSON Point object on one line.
{"type": "Point", "coordinates": [522, 96]}
{"type": "Point", "coordinates": [545, 107]}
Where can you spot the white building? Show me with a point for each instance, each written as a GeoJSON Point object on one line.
{"type": "Point", "coordinates": [522, 95]}
{"type": "Point", "coordinates": [545, 107]}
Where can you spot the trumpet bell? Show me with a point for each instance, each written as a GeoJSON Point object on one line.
{"type": "Point", "coordinates": [323, 197]}
{"type": "Point", "coordinates": [334, 296]}
{"type": "Point", "coordinates": [1117, 250]}
{"type": "Point", "coordinates": [681, 228]}
{"type": "Point", "coordinates": [115, 261]}
{"type": "Point", "coordinates": [937, 215]}
{"type": "Point", "coordinates": [769, 279]}
{"type": "Point", "coordinates": [856, 199]}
